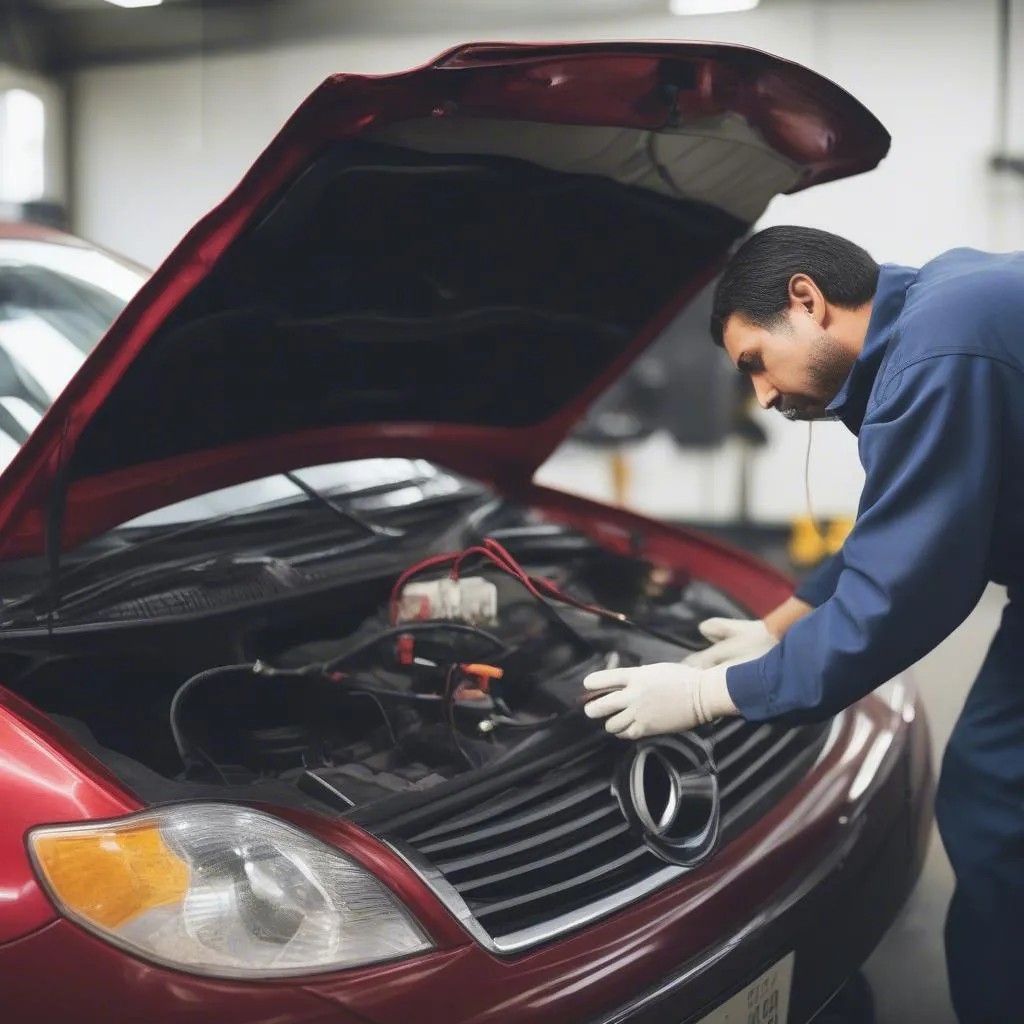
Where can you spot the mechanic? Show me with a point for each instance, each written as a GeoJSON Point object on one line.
{"type": "Point", "coordinates": [926, 367]}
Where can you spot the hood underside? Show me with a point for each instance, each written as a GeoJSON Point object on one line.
{"type": "Point", "coordinates": [451, 263]}
{"type": "Point", "coordinates": [473, 290]}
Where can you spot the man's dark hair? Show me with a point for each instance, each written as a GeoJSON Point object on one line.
{"type": "Point", "coordinates": [755, 284]}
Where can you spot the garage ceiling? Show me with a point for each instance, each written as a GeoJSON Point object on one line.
{"type": "Point", "coordinates": [60, 35]}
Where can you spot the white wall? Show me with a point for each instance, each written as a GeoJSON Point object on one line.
{"type": "Point", "coordinates": [161, 143]}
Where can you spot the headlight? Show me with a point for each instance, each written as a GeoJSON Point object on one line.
{"type": "Point", "coordinates": [222, 890]}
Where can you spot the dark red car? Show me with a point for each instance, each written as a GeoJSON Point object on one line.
{"type": "Point", "coordinates": [290, 728]}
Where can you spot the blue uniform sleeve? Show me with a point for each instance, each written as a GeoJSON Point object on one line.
{"type": "Point", "coordinates": [818, 586]}
{"type": "Point", "coordinates": [916, 562]}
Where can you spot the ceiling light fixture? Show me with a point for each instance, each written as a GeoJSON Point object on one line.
{"type": "Point", "coordinates": [684, 7]}
{"type": "Point", "coordinates": [135, 3]}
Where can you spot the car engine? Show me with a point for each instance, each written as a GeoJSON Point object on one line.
{"type": "Point", "coordinates": [422, 681]}
{"type": "Point", "coordinates": [471, 655]}
{"type": "Point", "coordinates": [325, 667]}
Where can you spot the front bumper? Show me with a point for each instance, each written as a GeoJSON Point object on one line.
{"type": "Point", "coordinates": [827, 877]}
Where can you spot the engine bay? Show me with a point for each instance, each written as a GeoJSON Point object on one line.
{"type": "Point", "coordinates": [437, 668]}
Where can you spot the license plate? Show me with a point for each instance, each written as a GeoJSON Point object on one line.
{"type": "Point", "coordinates": [763, 1001]}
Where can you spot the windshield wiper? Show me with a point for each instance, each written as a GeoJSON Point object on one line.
{"type": "Point", "coordinates": [250, 519]}
{"type": "Point", "coordinates": [353, 517]}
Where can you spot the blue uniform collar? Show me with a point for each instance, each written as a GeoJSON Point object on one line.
{"type": "Point", "coordinates": [852, 401]}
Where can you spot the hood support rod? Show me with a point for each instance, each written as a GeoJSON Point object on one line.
{"type": "Point", "coordinates": [56, 505]}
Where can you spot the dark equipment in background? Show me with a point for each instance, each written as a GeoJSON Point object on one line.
{"type": "Point", "coordinates": [682, 384]}
{"type": "Point", "coordinates": [686, 386]}
{"type": "Point", "coordinates": [45, 214]}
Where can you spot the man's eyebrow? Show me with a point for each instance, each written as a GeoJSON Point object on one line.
{"type": "Point", "coordinates": [749, 362]}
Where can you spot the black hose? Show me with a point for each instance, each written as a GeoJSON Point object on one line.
{"type": "Point", "coordinates": [180, 742]}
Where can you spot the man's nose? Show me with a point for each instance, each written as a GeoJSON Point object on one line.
{"type": "Point", "coordinates": [767, 396]}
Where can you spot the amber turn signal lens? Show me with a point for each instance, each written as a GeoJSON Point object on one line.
{"type": "Point", "coordinates": [110, 877]}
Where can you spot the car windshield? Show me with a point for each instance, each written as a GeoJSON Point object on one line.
{"type": "Point", "coordinates": [56, 302]}
{"type": "Point", "coordinates": [366, 485]}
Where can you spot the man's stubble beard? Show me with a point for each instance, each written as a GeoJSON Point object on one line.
{"type": "Point", "coordinates": [828, 366]}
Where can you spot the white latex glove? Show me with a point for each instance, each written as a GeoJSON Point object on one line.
{"type": "Point", "coordinates": [654, 699]}
{"type": "Point", "coordinates": [733, 640]}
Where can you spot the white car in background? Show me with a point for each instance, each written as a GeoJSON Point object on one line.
{"type": "Point", "coordinates": [58, 296]}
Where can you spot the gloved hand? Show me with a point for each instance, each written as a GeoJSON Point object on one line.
{"type": "Point", "coordinates": [654, 699]}
{"type": "Point", "coordinates": [733, 640]}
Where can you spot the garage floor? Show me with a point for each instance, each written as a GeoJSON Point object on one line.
{"type": "Point", "coordinates": [907, 972]}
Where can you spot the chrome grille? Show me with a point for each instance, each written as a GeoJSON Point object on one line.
{"type": "Point", "coordinates": [535, 857]}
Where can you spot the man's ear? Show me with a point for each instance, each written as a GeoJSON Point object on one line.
{"type": "Point", "coordinates": [805, 299]}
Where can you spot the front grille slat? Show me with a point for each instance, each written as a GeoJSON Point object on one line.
{"type": "Point", "coordinates": [725, 729]}
{"type": "Point", "coordinates": [572, 773]}
{"type": "Point", "coordinates": [741, 753]}
{"type": "Point", "coordinates": [553, 844]}
{"type": "Point", "coordinates": [549, 810]}
{"type": "Point", "coordinates": [614, 832]}
{"type": "Point", "coordinates": [535, 895]}
{"type": "Point", "coordinates": [493, 855]}
{"type": "Point", "coordinates": [753, 766]}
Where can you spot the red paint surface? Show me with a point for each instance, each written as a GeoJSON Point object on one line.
{"type": "Point", "coordinates": [573, 979]}
{"type": "Point", "coordinates": [806, 117]}
{"type": "Point", "coordinates": [63, 974]}
{"type": "Point", "coordinates": [41, 782]}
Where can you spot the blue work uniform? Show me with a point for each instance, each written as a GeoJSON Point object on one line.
{"type": "Point", "coordinates": [936, 399]}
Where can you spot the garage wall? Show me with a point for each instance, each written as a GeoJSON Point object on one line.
{"type": "Point", "coordinates": [158, 144]}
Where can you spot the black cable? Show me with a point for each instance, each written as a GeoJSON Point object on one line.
{"type": "Point", "coordinates": [548, 605]}
{"type": "Point", "coordinates": [190, 752]}
{"type": "Point", "coordinates": [660, 169]}
{"type": "Point", "coordinates": [180, 742]}
{"type": "Point", "coordinates": [399, 696]}
{"type": "Point", "coordinates": [414, 628]}
{"type": "Point", "coordinates": [363, 692]}
{"type": "Point", "coordinates": [449, 714]}
{"type": "Point", "coordinates": [213, 764]}
{"type": "Point", "coordinates": [257, 668]}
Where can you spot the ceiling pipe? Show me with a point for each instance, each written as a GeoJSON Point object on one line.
{"type": "Point", "coordinates": [1003, 159]}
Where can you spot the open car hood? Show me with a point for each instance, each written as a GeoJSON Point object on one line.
{"type": "Point", "coordinates": [449, 263]}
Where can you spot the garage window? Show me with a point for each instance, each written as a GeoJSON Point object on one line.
{"type": "Point", "coordinates": [22, 147]}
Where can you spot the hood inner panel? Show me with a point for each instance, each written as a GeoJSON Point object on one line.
{"type": "Point", "coordinates": [390, 285]}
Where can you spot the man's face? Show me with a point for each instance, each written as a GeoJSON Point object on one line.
{"type": "Point", "coordinates": [796, 366]}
